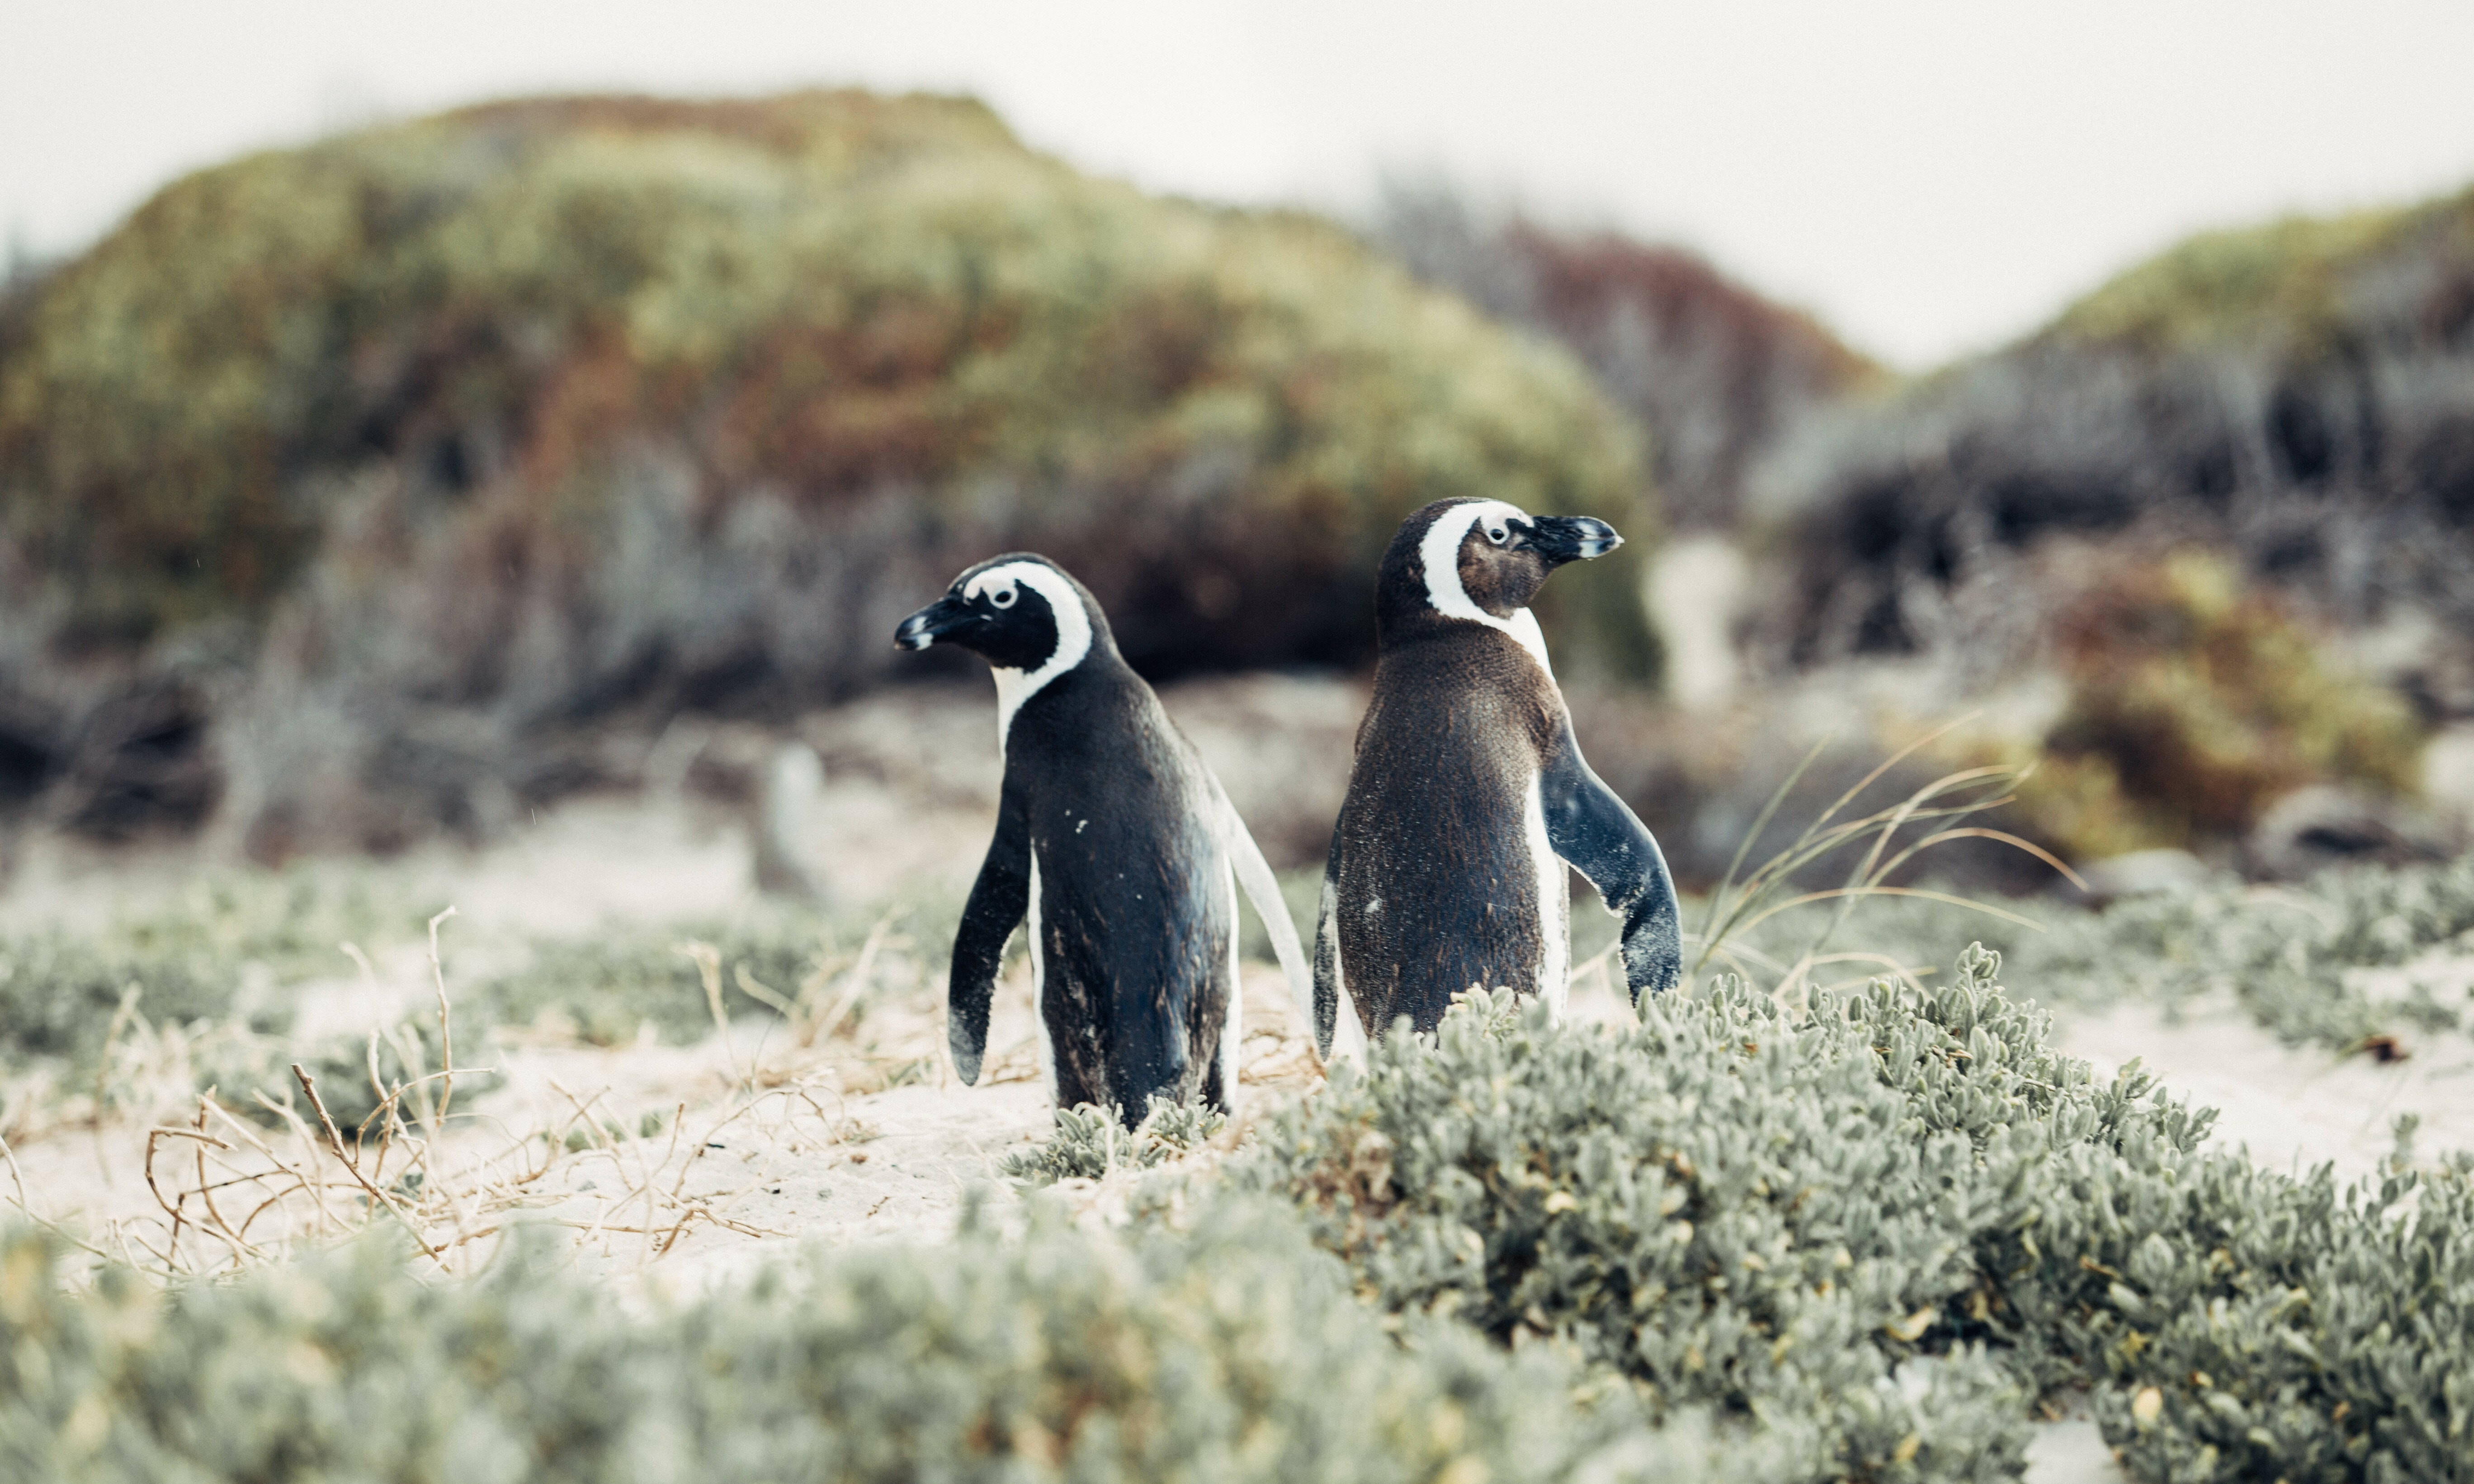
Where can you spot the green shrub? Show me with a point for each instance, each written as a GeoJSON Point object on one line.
{"type": "Point", "coordinates": [2193, 705]}
{"type": "Point", "coordinates": [1877, 1230]}
{"type": "Point", "coordinates": [770, 964]}
{"type": "Point", "coordinates": [2297, 395]}
{"type": "Point", "coordinates": [2282, 954]}
{"type": "Point", "coordinates": [536, 413]}
{"type": "Point", "coordinates": [215, 952]}
{"type": "Point", "coordinates": [1231, 1354]}
{"type": "Point", "coordinates": [2286, 277]}
{"type": "Point", "coordinates": [1091, 1142]}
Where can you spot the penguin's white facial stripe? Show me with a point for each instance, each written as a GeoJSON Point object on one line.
{"type": "Point", "coordinates": [1073, 630]}
{"type": "Point", "coordinates": [1439, 552]}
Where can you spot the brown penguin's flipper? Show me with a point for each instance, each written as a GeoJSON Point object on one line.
{"type": "Point", "coordinates": [1600, 836]}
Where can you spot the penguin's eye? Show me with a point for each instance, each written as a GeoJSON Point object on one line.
{"type": "Point", "coordinates": [1001, 597]}
{"type": "Point", "coordinates": [1497, 535]}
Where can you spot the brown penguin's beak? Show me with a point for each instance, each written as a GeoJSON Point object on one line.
{"type": "Point", "coordinates": [933, 622]}
{"type": "Point", "coordinates": [1562, 539]}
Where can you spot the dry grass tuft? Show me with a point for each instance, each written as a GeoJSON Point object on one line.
{"type": "Point", "coordinates": [1935, 814]}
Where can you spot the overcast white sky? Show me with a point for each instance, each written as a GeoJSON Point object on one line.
{"type": "Point", "coordinates": [1929, 177]}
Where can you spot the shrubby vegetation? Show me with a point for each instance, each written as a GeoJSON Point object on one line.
{"type": "Point", "coordinates": [607, 988]}
{"type": "Point", "coordinates": [463, 436]}
{"type": "Point", "coordinates": [215, 953]}
{"type": "Point", "coordinates": [2295, 393]}
{"type": "Point", "coordinates": [1091, 1142]}
{"type": "Point", "coordinates": [1233, 1352]}
{"type": "Point", "coordinates": [2193, 705]}
{"type": "Point", "coordinates": [201, 992]}
{"type": "Point", "coordinates": [1874, 1231]}
{"type": "Point", "coordinates": [1862, 1239]}
{"type": "Point", "coordinates": [1714, 375]}
{"type": "Point", "coordinates": [2290, 956]}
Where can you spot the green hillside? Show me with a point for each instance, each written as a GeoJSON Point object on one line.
{"type": "Point", "coordinates": [684, 403]}
{"type": "Point", "coordinates": [2289, 406]}
{"type": "Point", "coordinates": [2307, 279]}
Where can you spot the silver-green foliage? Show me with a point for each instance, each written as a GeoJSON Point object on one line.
{"type": "Point", "coordinates": [1877, 1229]}
{"type": "Point", "coordinates": [1091, 1141]}
{"type": "Point", "coordinates": [2283, 953]}
{"type": "Point", "coordinates": [1230, 1354]}
{"type": "Point", "coordinates": [195, 957]}
{"type": "Point", "coordinates": [609, 987]}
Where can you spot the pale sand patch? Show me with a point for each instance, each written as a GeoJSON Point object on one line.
{"type": "Point", "coordinates": [2070, 1451]}
{"type": "Point", "coordinates": [1694, 585]}
{"type": "Point", "coordinates": [2292, 1107]}
{"type": "Point", "coordinates": [700, 1161]}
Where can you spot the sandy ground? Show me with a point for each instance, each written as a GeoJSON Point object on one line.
{"type": "Point", "coordinates": [2292, 1108]}
{"type": "Point", "coordinates": [691, 1163]}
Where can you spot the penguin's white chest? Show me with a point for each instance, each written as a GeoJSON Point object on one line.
{"type": "Point", "coordinates": [1554, 902]}
{"type": "Point", "coordinates": [1040, 1038]}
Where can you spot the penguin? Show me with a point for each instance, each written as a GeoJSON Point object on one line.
{"type": "Point", "coordinates": [1116, 841]}
{"type": "Point", "coordinates": [1469, 795]}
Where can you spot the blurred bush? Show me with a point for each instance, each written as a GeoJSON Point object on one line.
{"type": "Point", "coordinates": [617, 985]}
{"type": "Point", "coordinates": [1713, 374]}
{"type": "Point", "coordinates": [1232, 1354]}
{"type": "Point", "coordinates": [414, 456]}
{"type": "Point", "coordinates": [2193, 707]}
{"type": "Point", "coordinates": [218, 951]}
{"type": "Point", "coordinates": [2299, 393]}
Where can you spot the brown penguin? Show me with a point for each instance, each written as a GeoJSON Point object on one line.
{"type": "Point", "coordinates": [1469, 794]}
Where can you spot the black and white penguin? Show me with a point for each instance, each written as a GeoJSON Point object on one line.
{"type": "Point", "coordinates": [1119, 844]}
{"type": "Point", "coordinates": [1469, 794]}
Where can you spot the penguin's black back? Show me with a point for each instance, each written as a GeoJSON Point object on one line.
{"type": "Point", "coordinates": [1437, 882]}
{"type": "Point", "coordinates": [1134, 910]}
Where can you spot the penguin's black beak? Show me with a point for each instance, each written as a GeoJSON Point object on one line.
{"type": "Point", "coordinates": [1562, 539]}
{"type": "Point", "coordinates": [933, 622]}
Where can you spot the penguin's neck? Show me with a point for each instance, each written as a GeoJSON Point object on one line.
{"type": "Point", "coordinates": [1016, 686]}
{"type": "Point", "coordinates": [1429, 626]}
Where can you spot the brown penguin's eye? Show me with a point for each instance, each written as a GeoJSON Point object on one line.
{"type": "Point", "coordinates": [1497, 535]}
{"type": "Point", "coordinates": [1001, 597]}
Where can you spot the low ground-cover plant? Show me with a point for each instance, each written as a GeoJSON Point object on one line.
{"type": "Point", "coordinates": [2283, 953]}
{"type": "Point", "coordinates": [199, 992]}
{"type": "Point", "coordinates": [210, 953]}
{"type": "Point", "coordinates": [801, 966]}
{"type": "Point", "coordinates": [1877, 1228]}
{"type": "Point", "coordinates": [1232, 1352]}
{"type": "Point", "coordinates": [1091, 1142]}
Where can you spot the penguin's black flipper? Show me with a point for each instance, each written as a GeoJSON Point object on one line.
{"type": "Point", "coordinates": [997, 901]}
{"type": "Point", "coordinates": [1606, 842]}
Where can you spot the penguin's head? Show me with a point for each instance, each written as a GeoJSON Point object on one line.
{"type": "Point", "coordinates": [1021, 611]}
{"type": "Point", "coordinates": [1464, 558]}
